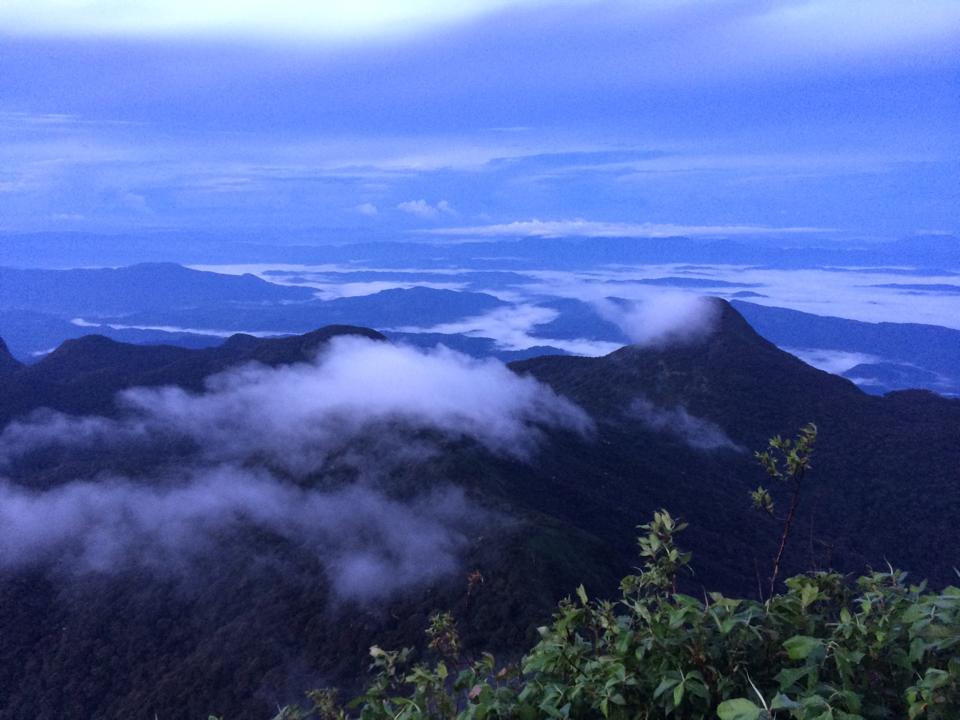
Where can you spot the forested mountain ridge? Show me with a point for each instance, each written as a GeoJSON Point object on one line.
{"type": "Point", "coordinates": [672, 426]}
{"type": "Point", "coordinates": [83, 375]}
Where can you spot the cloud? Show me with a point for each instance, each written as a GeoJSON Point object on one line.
{"type": "Point", "coordinates": [369, 544]}
{"type": "Point", "coordinates": [423, 209]}
{"type": "Point", "coordinates": [662, 318]}
{"type": "Point", "coordinates": [695, 432]}
{"type": "Point", "coordinates": [593, 228]}
{"type": "Point", "coordinates": [510, 328]}
{"type": "Point", "coordinates": [832, 361]}
{"type": "Point", "coordinates": [295, 416]}
{"type": "Point", "coordinates": [366, 208]}
{"type": "Point", "coordinates": [248, 18]}
{"type": "Point", "coordinates": [308, 452]}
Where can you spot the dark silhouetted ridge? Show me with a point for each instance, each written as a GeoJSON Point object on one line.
{"type": "Point", "coordinates": [8, 363]}
{"type": "Point", "coordinates": [727, 374]}
{"type": "Point", "coordinates": [573, 508]}
{"type": "Point", "coordinates": [84, 374]}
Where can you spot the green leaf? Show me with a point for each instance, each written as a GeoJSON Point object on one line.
{"type": "Point", "coordinates": [782, 702]}
{"type": "Point", "coordinates": [664, 685]}
{"type": "Point", "coordinates": [582, 594]}
{"type": "Point", "coordinates": [788, 677]}
{"type": "Point", "coordinates": [738, 709]}
{"type": "Point", "coordinates": [799, 647]}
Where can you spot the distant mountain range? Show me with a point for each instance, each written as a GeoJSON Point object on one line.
{"type": "Point", "coordinates": [138, 288]}
{"type": "Point", "coordinates": [939, 252]}
{"type": "Point", "coordinates": [674, 427]}
{"type": "Point", "coordinates": [170, 304]}
{"type": "Point", "coordinates": [912, 355]}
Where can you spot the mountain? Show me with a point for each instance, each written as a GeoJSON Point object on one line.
{"type": "Point", "coordinates": [31, 335]}
{"type": "Point", "coordinates": [929, 355]}
{"type": "Point", "coordinates": [418, 306]}
{"type": "Point", "coordinates": [478, 347]}
{"type": "Point", "coordinates": [926, 252]}
{"type": "Point", "coordinates": [883, 377]}
{"type": "Point", "coordinates": [138, 288]}
{"type": "Point", "coordinates": [577, 319]}
{"type": "Point", "coordinates": [163, 303]}
{"type": "Point", "coordinates": [83, 375]}
{"type": "Point", "coordinates": [674, 426]}
{"type": "Point", "coordinates": [875, 455]}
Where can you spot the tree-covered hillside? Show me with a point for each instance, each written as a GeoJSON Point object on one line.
{"type": "Point", "coordinates": [828, 648]}
{"type": "Point", "coordinates": [250, 617]}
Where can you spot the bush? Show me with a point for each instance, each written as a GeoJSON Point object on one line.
{"type": "Point", "coordinates": [826, 648]}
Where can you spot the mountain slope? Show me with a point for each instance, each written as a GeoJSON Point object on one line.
{"type": "Point", "coordinates": [876, 455]}
{"type": "Point", "coordinates": [674, 427]}
{"type": "Point", "coordinates": [8, 364]}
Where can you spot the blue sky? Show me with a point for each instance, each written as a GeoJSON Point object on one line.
{"type": "Point", "coordinates": [806, 118]}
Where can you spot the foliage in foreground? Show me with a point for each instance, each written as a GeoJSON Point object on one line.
{"type": "Point", "coordinates": [825, 649]}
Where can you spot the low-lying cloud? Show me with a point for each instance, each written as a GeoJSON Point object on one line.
{"type": "Point", "coordinates": [295, 416]}
{"type": "Point", "coordinates": [662, 318]}
{"type": "Point", "coordinates": [259, 446]}
{"type": "Point", "coordinates": [369, 544]}
{"type": "Point", "coordinates": [677, 421]}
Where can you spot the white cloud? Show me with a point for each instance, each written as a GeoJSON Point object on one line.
{"type": "Point", "coordinates": [663, 317]}
{"type": "Point", "coordinates": [297, 415]}
{"type": "Point", "coordinates": [369, 544]}
{"type": "Point", "coordinates": [366, 208]}
{"type": "Point", "coordinates": [303, 422]}
{"type": "Point", "coordinates": [593, 228]}
{"type": "Point", "coordinates": [423, 209]}
{"type": "Point", "coordinates": [254, 18]}
{"type": "Point", "coordinates": [832, 361]}
{"type": "Point", "coordinates": [510, 328]}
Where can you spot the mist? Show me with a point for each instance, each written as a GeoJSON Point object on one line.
{"type": "Point", "coordinates": [261, 444]}
{"type": "Point", "coordinates": [296, 416]}
{"type": "Point", "coordinates": [662, 318]}
{"type": "Point", "coordinates": [677, 421]}
{"type": "Point", "coordinates": [369, 544]}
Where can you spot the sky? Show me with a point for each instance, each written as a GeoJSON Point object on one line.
{"type": "Point", "coordinates": [374, 118]}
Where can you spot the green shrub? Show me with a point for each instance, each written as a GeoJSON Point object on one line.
{"type": "Point", "coordinates": [827, 648]}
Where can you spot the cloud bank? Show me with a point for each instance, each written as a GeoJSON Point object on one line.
{"type": "Point", "coordinates": [270, 448]}
{"type": "Point", "coordinates": [593, 228]}
{"type": "Point", "coordinates": [369, 544]}
{"type": "Point", "coordinates": [295, 416]}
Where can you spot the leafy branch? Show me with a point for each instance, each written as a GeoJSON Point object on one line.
{"type": "Point", "coordinates": [786, 461]}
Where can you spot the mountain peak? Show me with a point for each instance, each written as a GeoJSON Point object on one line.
{"type": "Point", "coordinates": [731, 326]}
{"type": "Point", "coordinates": [293, 348]}
{"type": "Point", "coordinates": [720, 375]}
